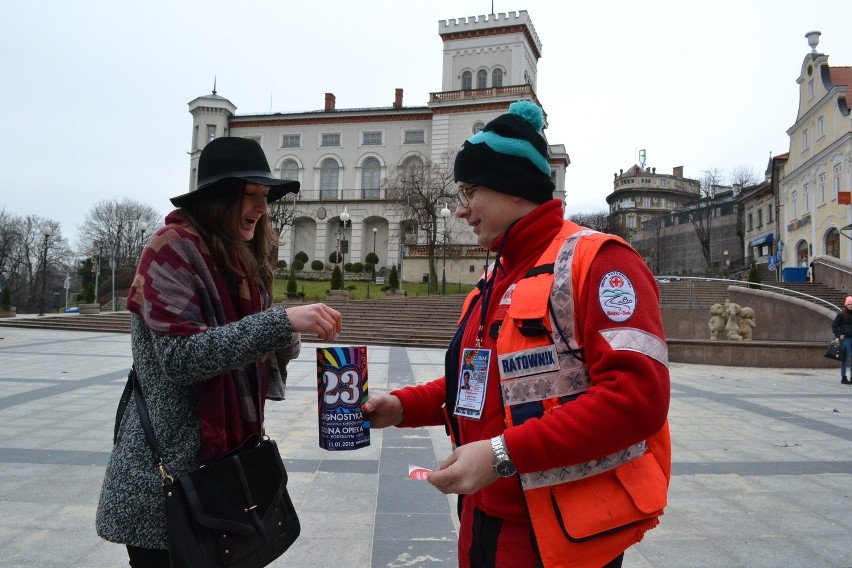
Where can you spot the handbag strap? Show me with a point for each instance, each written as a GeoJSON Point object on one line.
{"type": "Point", "coordinates": [135, 388]}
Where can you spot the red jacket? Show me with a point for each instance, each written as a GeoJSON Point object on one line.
{"type": "Point", "coordinates": [626, 403]}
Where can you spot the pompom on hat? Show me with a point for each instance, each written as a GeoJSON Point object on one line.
{"type": "Point", "coordinates": [235, 158]}
{"type": "Point", "coordinates": [509, 155]}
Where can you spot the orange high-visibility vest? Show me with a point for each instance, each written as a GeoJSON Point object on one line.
{"type": "Point", "coordinates": [583, 515]}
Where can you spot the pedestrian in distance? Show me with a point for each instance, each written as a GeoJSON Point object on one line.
{"type": "Point", "coordinates": [208, 348]}
{"type": "Point", "coordinates": [842, 328]}
{"type": "Point", "coordinates": [565, 458]}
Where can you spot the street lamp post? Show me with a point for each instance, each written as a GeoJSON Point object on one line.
{"type": "Point", "coordinates": [143, 226]}
{"type": "Point", "coordinates": [344, 222]}
{"type": "Point", "coordinates": [97, 270]}
{"type": "Point", "coordinates": [112, 266]}
{"type": "Point", "coordinates": [445, 215]}
{"type": "Point", "coordinates": [46, 231]}
{"type": "Point", "coordinates": [375, 230]}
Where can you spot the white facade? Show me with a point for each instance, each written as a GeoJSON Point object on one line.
{"type": "Point", "coordinates": [342, 157]}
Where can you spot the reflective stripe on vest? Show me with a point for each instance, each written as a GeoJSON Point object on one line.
{"type": "Point", "coordinates": [529, 396]}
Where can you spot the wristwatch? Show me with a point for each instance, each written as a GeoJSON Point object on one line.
{"type": "Point", "coordinates": [503, 465]}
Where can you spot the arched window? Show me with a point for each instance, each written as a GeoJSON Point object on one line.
{"type": "Point", "coordinates": [371, 172]}
{"type": "Point", "coordinates": [467, 81]}
{"type": "Point", "coordinates": [290, 170]}
{"type": "Point", "coordinates": [832, 243]}
{"type": "Point", "coordinates": [477, 126]}
{"type": "Point", "coordinates": [497, 78]}
{"type": "Point", "coordinates": [481, 79]}
{"type": "Point", "coordinates": [412, 171]}
{"type": "Point", "coordinates": [329, 171]}
{"type": "Point", "coordinates": [802, 253]}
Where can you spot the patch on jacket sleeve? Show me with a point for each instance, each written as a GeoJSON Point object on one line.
{"type": "Point", "coordinates": [617, 296]}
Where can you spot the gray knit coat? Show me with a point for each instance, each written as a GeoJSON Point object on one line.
{"type": "Point", "coordinates": [131, 509]}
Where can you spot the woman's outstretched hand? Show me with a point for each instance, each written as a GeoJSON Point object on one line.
{"type": "Point", "coordinates": [318, 319]}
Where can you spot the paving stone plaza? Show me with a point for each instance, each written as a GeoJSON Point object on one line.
{"type": "Point", "coordinates": [762, 473]}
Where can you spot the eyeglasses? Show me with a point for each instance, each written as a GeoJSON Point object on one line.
{"type": "Point", "coordinates": [464, 194]}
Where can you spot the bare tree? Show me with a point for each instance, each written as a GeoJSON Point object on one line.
{"type": "Point", "coordinates": [597, 220]}
{"type": "Point", "coordinates": [743, 176]}
{"type": "Point", "coordinates": [702, 212]}
{"type": "Point", "coordinates": [111, 230]}
{"type": "Point", "coordinates": [419, 191]}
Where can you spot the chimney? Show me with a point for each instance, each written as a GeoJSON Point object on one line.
{"type": "Point", "coordinates": [677, 171]}
{"type": "Point", "coordinates": [397, 101]}
{"type": "Point", "coordinates": [329, 101]}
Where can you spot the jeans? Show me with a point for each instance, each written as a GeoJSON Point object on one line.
{"type": "Point", "coordinates": [847, 359]}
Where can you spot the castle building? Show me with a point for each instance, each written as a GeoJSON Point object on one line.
{"type": "Point", "coordinates": [344, 157]}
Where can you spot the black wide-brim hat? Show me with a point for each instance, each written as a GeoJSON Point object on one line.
{"type": "Point", "coordinates": [235, 158]}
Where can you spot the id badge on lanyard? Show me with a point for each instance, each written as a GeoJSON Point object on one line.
{"type": "Point", "coordinates": [473, 380]}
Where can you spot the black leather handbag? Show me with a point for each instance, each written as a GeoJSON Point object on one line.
{"type": "Point", "coordinates": [835, 351]}
{"type": "Point", "coordinates": [235, 512]}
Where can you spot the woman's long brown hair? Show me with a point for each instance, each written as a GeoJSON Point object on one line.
{"type": "Point", "coordinates": [217, 215]}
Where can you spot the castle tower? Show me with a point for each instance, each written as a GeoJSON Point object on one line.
{"type": "Point", "coordinates": [489, 62]}
{"type": "Point", "coordinates": [210, 119]}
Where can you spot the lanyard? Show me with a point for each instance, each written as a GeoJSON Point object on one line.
{"type": "Point", "coordinates": [488, 287]}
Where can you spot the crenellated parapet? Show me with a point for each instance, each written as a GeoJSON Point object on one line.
{"type": "Point", "coordinates": [475, 25]}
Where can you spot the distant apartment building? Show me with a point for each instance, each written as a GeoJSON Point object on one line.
{"type": "Point", "coordinates": [760, 221]}
{"type": "Point", "coordinates": [814, 194]}
{"type": "Point", "coordinates": [640, 195]}
{"type": "Point", "coordinates": [344, 157]}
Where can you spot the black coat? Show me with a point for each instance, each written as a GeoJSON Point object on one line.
{"type": "Point", "coordinates": [842, 324]}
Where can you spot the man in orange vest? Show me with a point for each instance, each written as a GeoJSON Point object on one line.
{"type": "Point", "coordinates": [562, 453]}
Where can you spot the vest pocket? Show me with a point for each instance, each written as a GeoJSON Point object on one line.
{"type": "Point", "coordinates": [610, 501]}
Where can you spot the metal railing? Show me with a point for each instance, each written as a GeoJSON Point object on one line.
{"type": "Point", "coordinates": [784, 291]}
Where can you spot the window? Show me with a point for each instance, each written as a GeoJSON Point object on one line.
{"type": "Point", "coordinates": [804, 139]}
{"type": "Point", "coordinates": [497, 78]}
{"type": "Point", "coordinates": [664, 183]}
{"type": "Point", "coordinates": [481, 79]}
{"type": "Point", "coordinates": [211, 132]}
{"type": "Point", "coordinates": [467, 81]}
{"type": "Point", "coordinates": [820, 127]}
{"type": "Point", "coordinates": [750, 222]}
{"type": "Point", "coordinates": [257, 139]}
{"type": "Point", "coordinates": [290, 170]}
{"type": "Point", "coordinates": [793, 208]}
{"type": "Point", "coordinates": [371, 173]}
{"type": "Point", "coordinates": [329, 171]}
{"type": "Point", "coordinates": [836, 180]}
{"type": "Point", "coordinates": [330, 140]}
{"type": "Point", "coordinates": [769, 214]}
{"type": "Point", "coordinates": [414, 137]}
{"type": "Point", "coordinates": [806, 198]}
{"type": "Point", "coordinates": [663, 201]}
{"type": "Point", "coordinates": [472, 269]}
{"type": "Point", "coordinates": [291, 140]}
{"type": "Point", "coordinates": [832, 243]}
{"type": "Point", "coordinates": [372, 139]}
{"type": "Point", "coordinates": [759, 218]}
{"type": "Point", "coordinates": [478, 126]}
{"type": "Point", "coordinates": [646, 202]}
{"type": "Point", "coordinates": [821, 188]}
{"type": "Point", "coordinates": [631, 221]}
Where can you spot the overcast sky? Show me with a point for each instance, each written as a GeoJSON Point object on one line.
{"type": "Point", "coordinates": [94, 93]}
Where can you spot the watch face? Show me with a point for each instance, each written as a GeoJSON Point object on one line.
{"type": "Point", "coordinates": [505, 469]}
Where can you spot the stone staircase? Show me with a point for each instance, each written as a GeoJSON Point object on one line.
{"type": "Point", "coordinates": [687, 292]}
{"type": "Point", "coordinates": [422, 321]}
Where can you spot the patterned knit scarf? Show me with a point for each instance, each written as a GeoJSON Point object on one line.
{"type": "Point", "coordinates": [179, 291]}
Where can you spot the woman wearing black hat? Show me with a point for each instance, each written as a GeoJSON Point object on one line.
{"type": "Point", "coordinates": [206, 348]}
